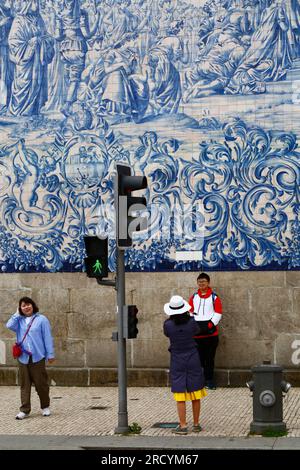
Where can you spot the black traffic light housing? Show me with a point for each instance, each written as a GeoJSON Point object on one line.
{"type": "Point", "coordinates": [130, 321]}
{"type": "Point", "coordinates": [96, 262]}
{"type": "Point", "coordinates": [126, 205]}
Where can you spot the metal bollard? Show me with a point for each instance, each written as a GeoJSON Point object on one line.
{"type": "Point", "coordinates": [267, 387]}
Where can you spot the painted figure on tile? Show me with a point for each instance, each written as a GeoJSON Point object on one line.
{"type": "Point", "coordinates": [5, 64]}
{"type": "Point", "coordinates": [55, 82]}
{"type": "Point", "coordinates": [165, 83]}
{"type": "Point", "coordinates": [126, 92]}
{"type": "Point", "coordinates": [269, 55]}
{"type": "Point", "coordinates": [72, 30]}
{"type": "Point", "coordinates": [166, 17]}
{"type": "Point", "coordinates": [31, 50]}
{"type": "Point", "coordinates": [92, 78]}
{"type": "Point", "coordinates": [27, 168]}
{"type": "Point", "coordinates": [293, 13]}
{"type": "Point", "coordinates": [147, 27]}
{"type": "Point", "coordinates": [214, 69]}
{"type": "Point", "coordinates": [117, 21]}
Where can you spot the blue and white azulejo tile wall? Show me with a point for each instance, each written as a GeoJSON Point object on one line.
{"type": "Point", "coordinates": [201, 96]}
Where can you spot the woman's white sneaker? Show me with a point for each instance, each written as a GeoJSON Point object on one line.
{"type": "Point", "coordinates": [46, 412]}
{"type": "Point", "coordinates": [22, 415]}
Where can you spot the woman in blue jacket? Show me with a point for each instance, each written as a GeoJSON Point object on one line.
{"type": "Point", "coordinates": [186, 374]}
{"type": "Point", "coordinates": [35, 339]}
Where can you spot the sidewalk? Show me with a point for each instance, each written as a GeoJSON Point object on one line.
{"type": "Point", "coordinates": [81, 415]}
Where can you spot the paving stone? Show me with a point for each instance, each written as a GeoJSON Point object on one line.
{"type": "Point", "coordinates": [93, 411]}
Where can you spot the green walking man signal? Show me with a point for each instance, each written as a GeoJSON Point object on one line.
{"type": "Point", "coordinates": [96, 262]}
{"type": "Point", "coordinates": [97, 267]}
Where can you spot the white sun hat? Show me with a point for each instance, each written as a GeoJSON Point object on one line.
{"type": "Point", "coordinates": [176, 306]}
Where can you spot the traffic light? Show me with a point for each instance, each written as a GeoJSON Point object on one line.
{"type": "Point", "coordinates": [127, 206]}
{"type": "Point", "coordinates": [96, 262]}
{"type": "Point", "coordinates": [130, 321]}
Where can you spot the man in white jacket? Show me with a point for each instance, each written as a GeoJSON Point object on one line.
{"type": "Point", "coordinates": [206, 307]}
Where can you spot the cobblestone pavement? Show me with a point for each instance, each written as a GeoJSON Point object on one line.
{"type": "Point", "coordinates": [94, 412]}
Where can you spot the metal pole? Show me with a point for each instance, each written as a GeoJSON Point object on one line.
{"type": "Point", "coordinates": [122, 372]}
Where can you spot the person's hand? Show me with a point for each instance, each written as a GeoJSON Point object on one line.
{"type": "Point", "coordinates": [210, 325]}
{"type": "Point", "coordinates": [50, 361]}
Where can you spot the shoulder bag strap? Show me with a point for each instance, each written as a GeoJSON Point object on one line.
{"type": "Point", "coordinates": [27, 331]}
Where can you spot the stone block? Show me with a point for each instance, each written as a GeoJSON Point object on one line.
{"type": "Point", "coordinates": [153, 299]}
{"type": "Point", "coordinates": [10, 299]}
{"type": "Point", "coordinates": [242, 353]}
{"type": "Point", "coordinates": [170, 281]}
{"type": "Point", "coordinates": [221, 377]}
{"type": "Point", "coordinates": [68, 377]}
{"type": "Point", "coordinates": [104, 377]}
{"type": "Point", "coordinates": [100, 301]}
{"type": "Point", "coordinates": [150, 353]}
{"type": "Point", "coordinates": [236, 319]}
{"type": "Point", "coordinates": [69, 353]}
{"type": "Point", "coordinates": [5, 333]}
{"type": "Point", "coordinates": [10, 361]}
{"type": "Point", "coordinates": [287, 350]}
{"type": "Point", "coordinates": [238, 378]}
{"type": "Point", "coordinates": [52, 300]}
{"type": "Point", "coordinates": [271, 300]}
{"type": "Point", "coordinates": [103, 353]}
{"type": "Point", "coordinates": [150, 326]}
{"type": "Point", "coordinates": [247, 279]}
{"type": "Point", "coordinates": [296, 308]}
{"type": "Point", "coordinates": [11, 281]}
{"type": "Point", "coordinates": [135, 377]}
{"type": "Point", "coordinates": [148, 378]}
{"type": "Point", "coordinates": [59, 324]}
{"type": "Point", "coordinates": [56, 280]}
{"type": "Point", "coordinates": [29, 280]}
{"type": "Point", "coordinates": [292, 376]}
{"type": "Point", "coordinates": [293, 278]}
{"type": "Point", "coordinates": [273, 309]}
{"type": "Point", "coordinates": [8, 376]}
{"type": "Point", "coordinates": [92, 325]}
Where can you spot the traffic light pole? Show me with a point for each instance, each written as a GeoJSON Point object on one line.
{"type": "Point", "coordinates": [122, 372]}
{"type": "Point", "coordinates": [125, 205]}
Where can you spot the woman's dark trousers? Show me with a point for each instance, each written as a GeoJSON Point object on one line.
{"type": "Point", "coordinates": [33, 373]}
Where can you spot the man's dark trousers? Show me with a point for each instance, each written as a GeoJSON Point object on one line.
{"type": "Point", "coordinates": [207, 350]}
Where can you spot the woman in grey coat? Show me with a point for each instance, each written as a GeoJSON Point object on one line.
{"type": "Point", "coordinates": [186, 374]}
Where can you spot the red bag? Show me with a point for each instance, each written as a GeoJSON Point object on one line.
{"type": "Point", "coordinates": [16, 350]}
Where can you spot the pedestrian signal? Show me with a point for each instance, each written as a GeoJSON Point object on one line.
{"type": "Point", "coordinates": [96, 262]}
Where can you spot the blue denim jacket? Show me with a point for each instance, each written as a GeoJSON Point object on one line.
{"type": "Point", "coordinates": [38, 341]}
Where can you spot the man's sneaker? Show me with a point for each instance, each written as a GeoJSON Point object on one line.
{"type": "Point", "coordinates": [196, 428]}
{"type": "Point", "coordinates": [22, 415]}
{"type": "Point", "coordinates": [180, 430]}
{"type": "Point", "coordinates": [46, 412]}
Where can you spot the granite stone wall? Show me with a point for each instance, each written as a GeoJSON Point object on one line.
{"type": "Point", "coordinates": [261, 322]}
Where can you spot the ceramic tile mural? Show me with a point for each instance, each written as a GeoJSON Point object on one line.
{"type": "Point", "coordinates": [200, 96]}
